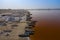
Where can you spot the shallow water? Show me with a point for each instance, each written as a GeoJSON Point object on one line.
{"type": "Point", "coordinates": [47, 26]}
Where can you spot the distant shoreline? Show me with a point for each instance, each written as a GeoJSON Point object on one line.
{"type": "Point", "coordinates": [32, 9]}
{"type": "Point", "coordinates": [42, 9]}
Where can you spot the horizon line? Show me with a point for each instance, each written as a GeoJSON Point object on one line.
{"type": "Point", "coordinates": [36, 8]}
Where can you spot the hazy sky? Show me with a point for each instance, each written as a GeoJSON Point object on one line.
{"type": "Point", "coordinates": [23, 4]}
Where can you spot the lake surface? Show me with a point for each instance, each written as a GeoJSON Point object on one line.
{"type": "Point", "coordinates": [45, 14]}
{"type": "Point", "coordinates": [48, 24]}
